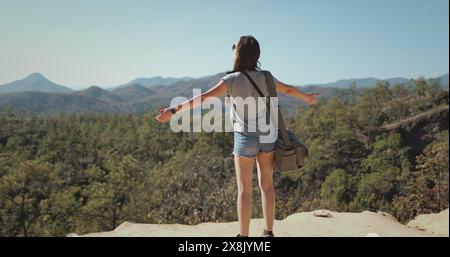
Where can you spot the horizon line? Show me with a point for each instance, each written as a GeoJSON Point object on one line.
{"type": "Point", "coordinates": [195, 78]}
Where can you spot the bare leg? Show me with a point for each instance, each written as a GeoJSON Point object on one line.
{"type": "Point", "coordinates": [265, 178]}
{"type": "Point", "coordinates": [244, 170]}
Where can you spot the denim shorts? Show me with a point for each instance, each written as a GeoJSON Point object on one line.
{"type": "Point", "coordinates": [249, 146]}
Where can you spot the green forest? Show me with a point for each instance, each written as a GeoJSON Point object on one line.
{"type": "Point", "coordinates": [385, 149]}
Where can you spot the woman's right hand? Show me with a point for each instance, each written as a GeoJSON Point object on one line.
{"type": "Point", "coordinates": [164, 115]}
{"type": "Point", "coordinates": [311, 98]}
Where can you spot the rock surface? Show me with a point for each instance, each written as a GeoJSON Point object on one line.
{"type": "Point", "coordinates": [437, 223]}
{"type": "Point", "coordinates": [304, 224]}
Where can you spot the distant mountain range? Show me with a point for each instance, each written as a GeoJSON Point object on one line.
{"type": "Point", "coordinates": [364, 82]}
{"type": "Point", "coordinates": [369, 82]}
{"type": "Point", "coordinates": [37, 94]}
{"type": "Point", "coordinates": [152, 81]}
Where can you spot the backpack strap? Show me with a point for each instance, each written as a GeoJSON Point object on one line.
{"type": "Point", "coordinates": [254, 84]}
{"type": "Point", "coordinates": [271, 88]}
{"type": "Point", "coordinates": [260, 93]}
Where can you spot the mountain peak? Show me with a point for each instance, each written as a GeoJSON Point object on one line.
{"type": "Point", "coordinates": [94, 87]}
{"type": "Point", "coordinates": [35, 82]}
{"type": "Point", "coordinates": [100, 93]}
{"type": "Point", "coordinates": [153, 81]}
{"type": "Point", "coordinates": [133, 92]}
{"type": "Point", "coordinates": [35, 75]}
{"type": "Point", "coordinates": [137, 85]}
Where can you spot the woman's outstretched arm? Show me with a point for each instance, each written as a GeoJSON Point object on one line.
{"type": "Point", "coordinates": [216, 91]}
{"type": "Point", "coordinates": [295, 92]}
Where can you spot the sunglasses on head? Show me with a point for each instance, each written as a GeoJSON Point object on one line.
{"type": "Point", "coordinates": [233, 47]}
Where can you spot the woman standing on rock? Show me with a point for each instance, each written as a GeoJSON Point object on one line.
{"type": "Point", "coordinates": [247, 145]}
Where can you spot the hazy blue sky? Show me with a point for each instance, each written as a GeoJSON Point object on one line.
{"type": "Point", "coordinates": [82, 43]}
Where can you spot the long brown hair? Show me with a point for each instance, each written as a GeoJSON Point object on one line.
{"type": "Point", "coordinates": [247, 54]}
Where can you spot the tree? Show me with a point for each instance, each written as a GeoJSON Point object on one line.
{"type": "Point", "coordinates": [370, 108]}
{"type": "Point", "coordinates": [24, 184]}
{"type": "Point", "coordinates": [382, 173]}
{"type": "Point", "coordinates": [427, 189]}
{"type": "Point", "coordinates": [337, 190]}
{"type": "Point", "coordinates": [59, 212]}
{"type": "Point", "coordinates": [424, 88]}
{"type": "Point", "coordinates": [196, 186]}
{"type": "Point", "coordinates": [377, 190]}
{"type": "Point", "coordinates": [109, 191]}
